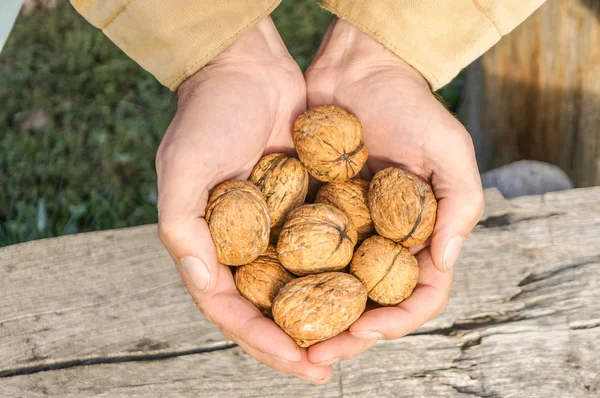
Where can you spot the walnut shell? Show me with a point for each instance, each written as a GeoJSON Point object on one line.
{"type": "Point", "coordinates": [283, 180]}
{"type": "Point", "coordinates": [316, 238]}
{"type": "Point", "coordinates": [238, 220]}
{"type": "Point", "coordinates": [317, 307]}
{"type": "Point", "coordinates": [387, 269]}
{"type": "Point", "coordinates": [403, 207]}
{"type": "Point", "coordinates": [260, 281]}
{"type": "Point", "coordinates": [351, 198]}
{"type": "Point", "coordinates": [329, 143]}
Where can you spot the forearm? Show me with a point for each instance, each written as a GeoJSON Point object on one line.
{"type": "Point", "coordinates": [438, 38]}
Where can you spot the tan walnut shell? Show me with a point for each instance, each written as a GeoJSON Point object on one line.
{"type": "Point", "coordinates": [351, 198]}
{"type": "Point", "coordinates": [261, 280]}
{"type": "Point", "coordinates": [238, 220]}
{"type": "Point", "coordinates": [283, 180]}
{"type": "Point", "coordinates": [316, 238]}
{"type": "Point", "coordinates": [387, 269]}
{"type": "Point", "coordinates": [403, 207]}
{"type": "Point", "coordinates": [317, 307]}
{"type": "Point", "coordinates": [329, 142]}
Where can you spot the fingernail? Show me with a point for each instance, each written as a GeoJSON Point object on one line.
{"type": "Point", "coordinates": [197, 271]}
{"type": "Point", "coordinates": [328, 362]}
{"type": "Point", "coordinates": [284, 360]}
{"type": "Point", "coordinates": [452, 251]}
{"type": "Point", "coordinates": [367, 335]}
{"type": "Point", "coordinates": [310, 379]}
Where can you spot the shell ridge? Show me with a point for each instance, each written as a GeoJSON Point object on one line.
{"type": "Point", "coordinates": [418, 220]}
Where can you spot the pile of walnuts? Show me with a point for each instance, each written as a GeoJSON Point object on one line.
{"type": "Point", "coordinates": [292, 257]}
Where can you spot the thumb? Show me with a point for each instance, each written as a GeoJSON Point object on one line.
{"type": "Point", "coordinates": [457, 214]}
{"type": "Point", "coordinates": [191, 247]}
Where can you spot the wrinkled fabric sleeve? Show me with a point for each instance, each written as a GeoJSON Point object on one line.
{"type": "Point", "coordinates": [436, 37]}
{"type": "Point", "coordinates": [173, 39]}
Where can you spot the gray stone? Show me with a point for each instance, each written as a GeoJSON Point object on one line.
{"type": "Point", "coordinates": [526, 177]}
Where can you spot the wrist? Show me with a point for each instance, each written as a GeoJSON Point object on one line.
{"type": "Point", "coordinates": [260, 44]}
{"type": "Point", "coordinates": [347, 47]}
{"type": "Point", "coordinates": [258, 48]}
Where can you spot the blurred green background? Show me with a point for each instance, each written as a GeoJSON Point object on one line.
{"type": "Point", "coordinates": [80, 123]}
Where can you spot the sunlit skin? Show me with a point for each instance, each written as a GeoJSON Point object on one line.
{"type": "Point", "coordinates": [231, 112]}
{"type": "Point", "coordinates": [404, 125]}
{"type": "Point", "coordinates": [243, 105]}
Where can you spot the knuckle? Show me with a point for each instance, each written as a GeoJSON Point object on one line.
{"type": "Point", "coordinates": [168, 233]}
{"type": "Point", "coordinates": [205, 314]}
{"type": "Point", "coordinates": [480, 206]}
{"type": "Point", "coordinates": [461, 136]}
{"type": "Point", "coordinates": [443, 304]}
{"type": "Point", "coordinates": [477, 205]}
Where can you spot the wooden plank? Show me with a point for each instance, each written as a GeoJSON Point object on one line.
{"type": "Point", "coordinates": [523, 321]}
{"type": "Point", "coordinates": [538, 343]}
{"type": "Point", "coordinates": [535, 95]}
{"type": "Point", "coordinates": [227, 374]}
{"type": "Point", "coordinates": [541, 342]}
{"type": "Point", "coordinates": [113, 294]}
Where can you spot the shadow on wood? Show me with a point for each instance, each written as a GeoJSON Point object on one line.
{"type": "Point", "coordinates": [536, 95]}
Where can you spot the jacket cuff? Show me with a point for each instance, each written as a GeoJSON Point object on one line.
{"type": "Point", "coordinates": [438, 38]}
{"type": "Point", "coordinates": [174, 39]}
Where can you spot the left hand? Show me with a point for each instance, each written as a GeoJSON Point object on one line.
{"type": "Point", "coordinates": [404, 125]}
{"type": "Point", "coordinates": [230, 113]}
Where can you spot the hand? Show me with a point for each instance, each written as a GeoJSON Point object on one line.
{"type": "Point", "coordinates": [240, 106]}
{"type": "Point", "coordinates": [404, 125]}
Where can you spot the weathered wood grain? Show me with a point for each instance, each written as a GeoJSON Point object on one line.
{"type": "Point", "coordinates": [229, 373]}
{"type": "Point", "coordinates": [87, 297]}
{"type": "Point", "coordinates": [523, 321]}
{"type": "Point", "coordinates": [536, 94]}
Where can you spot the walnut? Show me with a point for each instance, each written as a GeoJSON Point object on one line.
{"type": "Point", "coordinates": [317, 307]}
{"type": "Point", "coordinates": [238, 220]}
{"type": "Point", "coordinates": [387, 269]}
{"type": "Point", "coordinates": [316, 238]}
{"type": "Point", "coordinates": [403, 207]}
{"type": "Point", "coordinates": [351, 198]}
{"type": "Point", "coordinates": [329, 143]}
{"type": "Point", "coordinates": [283, 180]}
{"type": "Point", "coordinates": [260, 281]}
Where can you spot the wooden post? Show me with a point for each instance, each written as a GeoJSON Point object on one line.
{"type": "Point", "coordinates": [536, 94]}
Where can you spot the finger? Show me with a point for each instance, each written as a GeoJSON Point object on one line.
{"type": "Point", "coordinates": [182, 198]}
{"type": "Point", "coordinates": [226, 308]}
{"type": "Point", "coordinates": [339, 348]}
{"type": "Point", "coordinates": [460, 202]}
{"type": "Point", "coordinates": [190, 245]}
{"type": "Point", "coordinates": [428, 300]}
{"type": "Point", "coordinates": [416, 249]}
{"type": "Point", "coordinates": [315, 374]}
{"type": "Point", "coordinates": [188, 241]}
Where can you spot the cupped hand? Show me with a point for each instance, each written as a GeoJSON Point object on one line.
{"type": "Point", "coordinates": [404, 125]}
{"type": "Point", "coordinates": [229, 114]}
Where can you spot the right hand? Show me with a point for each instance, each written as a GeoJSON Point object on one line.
{"type": "Point", "coordinates": [230, 113]}
{"type": "Point", "coordinates": [404, 126]}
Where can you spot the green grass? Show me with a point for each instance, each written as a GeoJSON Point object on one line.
{"type": "Point", "coordinates": [91, 166]}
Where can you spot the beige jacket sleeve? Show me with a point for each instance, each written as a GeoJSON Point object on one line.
{"type": "Point", "coordinates": [436, 37]}
{"type": "Point", "coordinates": [172, 39]}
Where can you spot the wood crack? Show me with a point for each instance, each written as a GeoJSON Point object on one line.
{"type": "Point", "coordinates": [43, 366]}
{"type": "Point", "coordinates": [513, 217]}
{"type": "Point", "coordinates": [471, 391]}
{"type": "Point", "coordinates": [533, 277]}
{"type": "Point", "coordinates": [460, 327]}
